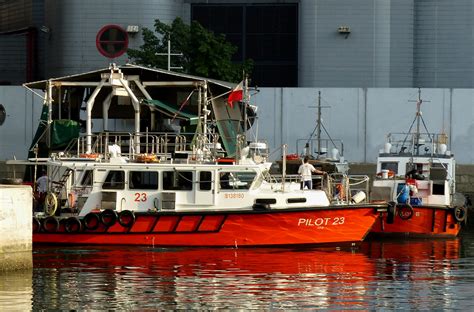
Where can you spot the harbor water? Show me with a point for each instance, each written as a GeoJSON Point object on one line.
{"type": "Point", "coordinates": [389, 274]}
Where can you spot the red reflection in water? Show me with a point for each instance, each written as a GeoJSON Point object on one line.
{"type": "Point", "coordinates": [261, 278]}
{"type": "Point", "coordinates": [255, 274]}
{"type": "Point", "coordinates": [415, 260]}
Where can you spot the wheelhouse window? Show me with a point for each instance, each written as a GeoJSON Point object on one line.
{"type": "Point", "coordinates": [87, 178]}
{"type": "Point", "coordinates": [143, 180]}
{"type": "Point", "coordinates": [115, 180]}
{"type": "Point", "coordinates": [178, 180]}
{"type": "Point", "coordinates": [205, 180]}
{"type": "Point", "coordinates": [236, 180]}
{"type": "Point", "coordinates": [390, 165]}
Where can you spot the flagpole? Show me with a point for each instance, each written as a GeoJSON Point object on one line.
{"type": "Point", "coordinates": [219, 96]}
{"type": "Point", "coordinates": [245, 105]}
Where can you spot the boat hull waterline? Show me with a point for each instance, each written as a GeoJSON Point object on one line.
{"type": "Point", "coordinates": [425, 221]}
{"type": "Point", "coordinates": [331, 225]}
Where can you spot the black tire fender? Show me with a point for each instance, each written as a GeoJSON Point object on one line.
{"type": "Point", "coordinates": [126, 218]}
{"type": "Point", "coordinates": [108, 217]}
{"type": "Point", "coordinates": [391, 211]}
{"type": "Point", "coordinates": [36, 225]}
{"type": "Point", "coordinates": [73, 225]}
{"type": "Point", "coordinates": [50, 224]}
{"type": "Point", "coordinates": [460, 213]}
{"type": "Point", "coordinates": [91, 221]}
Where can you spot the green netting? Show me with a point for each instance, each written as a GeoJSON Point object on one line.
{"type": "Point", "coordinates": [63, 132]}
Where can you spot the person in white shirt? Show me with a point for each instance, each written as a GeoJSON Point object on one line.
{"type": "Point", "coordinates": [305, 171]}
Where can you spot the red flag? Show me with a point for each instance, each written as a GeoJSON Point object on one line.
{"type": "Point", "coordinates": [236, 94]}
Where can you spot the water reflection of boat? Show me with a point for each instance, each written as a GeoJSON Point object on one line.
{"type": "Point", "coordinates": [413, 250]}
{"type": "Point", "coordinates": [379, 274]}
{"type": "Point", "coordinates": [416, 173]}
{"type": "Point", "coordinates": [167, 278]}
{"type": "Point", "coordinates": [162, 189]}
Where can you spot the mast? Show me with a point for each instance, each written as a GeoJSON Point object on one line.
{"type": "Point", "coordinates": [418, 117]}
{"type": "Point", "coordinates": [246, 103]}
{"type": "Point", "coordinates": [319, 124]}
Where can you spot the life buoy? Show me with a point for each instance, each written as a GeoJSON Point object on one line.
{"type": "Point", "coordinates": [460, 213]}
{"type": "Point", "coordinates": [90, 155]}
{"type": "Point", "coordinates": [390, 173]}
{"type": "Point", "coordinates": [108, 217]}
{"type": "Point", "coordinates": [225, 160]}
{"type": "Point", "coordinates": [292, 157]}
{"type": "Point", "coordinates": [405, 211]}
{"type": "Point", "coordinates": [73, 225]}
{"type": "Point", "coordinates": [36, 225]}
{"type": "Point", "coordinates": [50, 204]}
{"type": "Point", "coordinates": [91, 221]}
{"type": "Point", "coordinates": [147, 158]}
{"type": "Point", "coordinates": [50, 224]}
{"type": "Point", "coordinates": [126, 218]}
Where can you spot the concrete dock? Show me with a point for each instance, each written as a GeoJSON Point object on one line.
{"type": "Point", "coordinates": [15, 227]}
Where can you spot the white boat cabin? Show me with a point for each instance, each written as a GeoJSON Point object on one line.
{"type": "Point", "coordinates": [426, 167]}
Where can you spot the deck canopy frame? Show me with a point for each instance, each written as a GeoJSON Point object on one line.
{"type": "Point", "coordinates": [135, 85]}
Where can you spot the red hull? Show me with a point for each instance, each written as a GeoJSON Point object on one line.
{"type": "Point", "coordinates": [295, 227]}
{"type": "Point", "coordinates": [425, 222]}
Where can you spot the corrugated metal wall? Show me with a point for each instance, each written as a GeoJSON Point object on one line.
{"type": "Point", "coordinates": [362, 117]}
{"type": "Point", "coordinates": [75, 23]}
{"type": "Point", "coordinates": [444, 43]}
{"type": "Point", "coordinates": [359, 117]}
{"type": "Point", "coordinates": [393, 43]}
{"type": "Point", "coordinates": [23, 110]}
{"type": "Point", "coordinates": [378, 52]}
{"type": "Point", "coordinates": [16, 14]}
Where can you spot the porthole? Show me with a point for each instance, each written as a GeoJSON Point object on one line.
{"type": "Point", "coordinates": [112, 41]}
{"type": "Point", "coordinates": [3, 114]}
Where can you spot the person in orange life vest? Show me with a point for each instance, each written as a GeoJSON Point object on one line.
{"type": "Point", "coordinates": [305, 171]}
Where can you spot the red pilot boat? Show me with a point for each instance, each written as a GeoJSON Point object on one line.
{"type": "Point", "coordinates": [167, 189]}
{"type": "Point", "coordinates": [416, 174]}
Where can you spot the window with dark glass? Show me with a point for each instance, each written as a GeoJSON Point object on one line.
{"type": "Point", "coordinates": [143, 180]}
{"type": "Point", "coordinates": [87, 178]}
{"type": "Point", "coordinates": [236, 180]}
{"type": "Point", "coordinates": [265, 33]}
{"type": "Point", "coordinates": [115, 180]}
{"type": "Point", "coordinates": [178, 180]}
{"type": "Point", "coordinates": [392, 166]}
{"type": "Point", "coordinates": [205, 180]}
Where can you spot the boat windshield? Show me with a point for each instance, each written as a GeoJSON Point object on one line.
{"type": "Point", "coordinates": [231, 180]}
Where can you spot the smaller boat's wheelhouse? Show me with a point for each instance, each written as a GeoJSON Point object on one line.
{"type": "Point", "coordinates": [416, 168]}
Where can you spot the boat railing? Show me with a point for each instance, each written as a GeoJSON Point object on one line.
{"type": "Point", "coordinates": [319, 182]}
{"type": "Point", "coordinates": [413, 143]}
{"type": "Point", "coordinates": [132, 145]}
{"type": "Point", "coordinates": [343, 188]}
{"type": "Point", "coordinates": [307, 147]}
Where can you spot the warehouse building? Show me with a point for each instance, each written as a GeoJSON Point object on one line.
{"type": "Point", "coordinates": [294, 43]}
